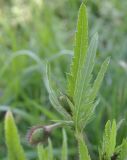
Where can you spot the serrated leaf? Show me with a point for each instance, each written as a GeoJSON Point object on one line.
{"type": "Point", "coordinates": [89, 106]}
{"type": "Point", "coordinates": [83, 80]}
{"type": "Point", "coordinates": [83, 151]}
{"type": "Point", "coordinates": [113, 137]}
{"type": "Point", "coordinates": [80, 49]}
{"type": "Point", "coordinates": [79, 80]}
{"type": "Point", "coordinates": [88, 113]}
{"type": "Point", "coordinates": [98, 80]}
{"type": "Point", "coordinates": [123, 152]}
{"type": "Point", "coordinates": [64, 146]}
{"type": "Point", "coordinates": [109, 140]}
{"type": "Point", "coordinates": [15, 150]}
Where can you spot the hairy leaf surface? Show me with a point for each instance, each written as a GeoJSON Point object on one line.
{"type": "Point", "coordinates": [80, 50]}
{"type": "Point", "coordinates": [83, 151]}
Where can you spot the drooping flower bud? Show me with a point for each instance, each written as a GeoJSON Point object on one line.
{"type": "Point", "coordinates": [40, 134]}
{"type": "Point", "coordinates": [37, 135]}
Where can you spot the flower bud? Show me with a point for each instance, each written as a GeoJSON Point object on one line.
{"type": "Point", "coordinates": [37, 135]}
{"type": "Point", "coordinates": [40, 134]}
{"type": "Point", "coordinates": [64, 102]}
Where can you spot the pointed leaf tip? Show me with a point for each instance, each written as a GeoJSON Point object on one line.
{"type": "Point", "coordinates": [82, 6]}
{"type": "Point", "coordinates": [80, 50]}
{"type": "Point", "coordinates": [108, 60]}
{"type": "Point", "coordinates": [15, 150]}
{"type": "Point", "coordinates": [96, 36]}
{"type": "Point", "coordinates": [8, 114]}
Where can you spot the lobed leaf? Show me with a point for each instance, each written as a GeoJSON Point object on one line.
{"type": "Point", "coordinates": [79, 79]}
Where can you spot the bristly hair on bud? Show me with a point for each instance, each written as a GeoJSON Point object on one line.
{"type": "Point", "coordinates": [40, 134]}
{"type": "Point", "coordinates": [37, 134]}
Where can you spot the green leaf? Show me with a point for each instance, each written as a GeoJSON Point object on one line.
{"type": "Point", "coordinates": [88, 107]}
{"type": "Point", "coordinates": [53, 96]}
{"type": "Point", "coordinates": [113, 137]}
{"type": "Point", "coordinates": [109, 140]}
{"type": "Point", "coordinates": [83, 81]}
{"type": "Point", "coordinates": [98, 80]}
{"type": "Point", "coordinates": [45, 153]}
{"type": "Point", "coordinates": [64, 146]}
{"type": "Point", "coordinates": [15, 150]}
{"type": "Point", "coordinates": [50, 150]}
{"type": "Point", "coordinates": [79, 79]}
{"type": "Point", "coordinates": [83, 151]}
{"type": "Point", "coordinates": [86, 110]}
{"type": "Point", "coordinates": [123, 152]}
{"type": "Point", "coordinates": [80, 50]}
{"type": "Point", "coordinates": [41, 151]}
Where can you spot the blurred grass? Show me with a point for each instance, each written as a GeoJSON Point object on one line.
{"type": "Point", "coordinates": [33, 31]}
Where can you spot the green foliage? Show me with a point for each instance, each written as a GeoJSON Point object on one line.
{"type": "Point", "coordinates": [122, 150]}
{"type": "Point", "coordinates": [54, 98]}
{"type": "Point", "coordinates": [15, 150]}
{"type": "Point", "coordinates": [50, 150]}
{"type": "Point", "coordinates": [83, 86]}
{"type": "Point", "coordinates": [81, 96]}
{"type": "Point", "coordinates": [40, 150]}
{"type": "Point", "coordinates": [64, 147]}
{"type": "Point", "coordinates": [81, 93]}
{"type": "Point", "coordinates": [42, 153]}
{"type": "Point", "coordinates": [109, 149]}
{"type": "Point", "coordinates": [44, 29]}
{"type": "Point", "coordinates": [81, 46]}
{"type": "Point", "coordinates": [45, 153]}
{"type": "Point", "coordinates": [83, 151]}
{"type": "Point", "coordinates": [109, 140]}
{"type": "Point", "coordinates": [80, 87]}
{"type": "Point", "coordinates": [99, 78]}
